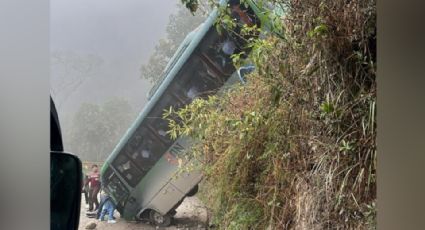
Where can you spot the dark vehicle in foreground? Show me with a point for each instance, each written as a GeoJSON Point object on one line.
{"type": "Point", "coordinates": [65, 180]}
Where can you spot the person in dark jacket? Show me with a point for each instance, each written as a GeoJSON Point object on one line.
{"type": "Point", "coordinates": [85, 189]}
{"type": "Point", "coordinates": [94, 188]}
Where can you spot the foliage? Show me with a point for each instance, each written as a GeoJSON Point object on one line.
{"type": "Point", "coordinates": [191, 5]}
{"type": "Point", "coordinates": [97, 128]}
{"type": "Point", "coordinates": [295, 147]}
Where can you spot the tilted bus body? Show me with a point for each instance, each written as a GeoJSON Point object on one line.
{"type": "Point", "coordinates": [140, 173]}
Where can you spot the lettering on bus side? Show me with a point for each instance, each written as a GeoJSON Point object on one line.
{"type": "Point", "coordinates": [171, 155]}
{"type": "Point", "coordinates": [176, 149]}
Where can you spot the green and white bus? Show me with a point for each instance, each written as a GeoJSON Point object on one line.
{"type": "Point", "coordinates": [139, 174]}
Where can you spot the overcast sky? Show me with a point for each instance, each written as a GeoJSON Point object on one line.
{"type": "Point", "coordinates": [122, 33]}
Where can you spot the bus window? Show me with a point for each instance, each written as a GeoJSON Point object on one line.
{"type": "Point", "coordinates": [127, 169]}
{"type": "Point", "coordinates": [148, 152]}
{"type": "Point", "coordinates": [216, 51]}
{"type": "Point", "coordinates": [161, 128]}
{"type": "Point", "coordinates": [197, 79]}
{"type": "Point", "coordinates": [117, 189]}
{"type": "Point", "coordinates": [179, 100]}
{"type": "Point", "coordinates": [156, 123]}
{"type": "Point", "coordinates": [210, 77]}
{"type": "Point", "coordinates": [134, 142]}
{"type": "Point", "coordinates": [107, 175]}
{"type": "Point", "coordinates": [205, 81]}
{"type": "Point", "coordinates": [228, 47]}
{"type": "Point", "coordinates": [143, 156]}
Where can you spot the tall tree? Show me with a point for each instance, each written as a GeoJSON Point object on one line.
{"type": "Point", "coordinates": [179, 25]}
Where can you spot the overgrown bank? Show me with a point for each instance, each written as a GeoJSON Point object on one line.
{"type": "Point", "coordinates": [295, 148]}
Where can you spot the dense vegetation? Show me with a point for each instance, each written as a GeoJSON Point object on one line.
{"type": "Point", "coordinates": [295, 148]}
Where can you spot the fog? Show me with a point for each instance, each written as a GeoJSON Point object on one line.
{"type": "Point", "coordinates": [101, 45]}
{"type": "Point", "coordinates": [121, 33]}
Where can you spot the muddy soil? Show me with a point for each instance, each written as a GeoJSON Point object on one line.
{"type": "Point", "coordinates": [191, 215]}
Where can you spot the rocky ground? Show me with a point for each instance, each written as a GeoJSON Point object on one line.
{"type": "Point", "coordinates": [191, 215]}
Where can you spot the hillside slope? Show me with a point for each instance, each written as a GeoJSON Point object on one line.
{"type": "Point", "coordinates": [295, 148]}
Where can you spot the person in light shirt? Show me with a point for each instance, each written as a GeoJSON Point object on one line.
{"type": "Point", "coordinates": [108, 208]}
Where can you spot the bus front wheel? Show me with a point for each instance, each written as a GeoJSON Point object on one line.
{"type": "Point", "coordinates": [158, 219]}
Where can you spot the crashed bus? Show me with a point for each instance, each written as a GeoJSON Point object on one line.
{"type": "Point", "coordinates": [140, 173]}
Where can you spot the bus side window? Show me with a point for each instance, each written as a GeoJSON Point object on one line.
{"type": "Point", "coordinates": [117, 189]}
{"type": "Point", "coordinates": [134, 142]}
{"type": "Point", "coordinates": [196, 80]}
{"type": "Point", "coordinates": [108, 174]}
{"type": "Point", "coordinates": [148, 153]}
{"type": "Point", "coordinates": [157, 124]}
{"type": "Point", "coordinates": [217, 51]}
{"type": "Point", "coordinates": [127, 169]}
{"type": "Point", "coordinates": [161, 127]}
{"type": "Point", "coordinates": [143, 156]}
{"type": "Point", "coordinates": [157, 149]}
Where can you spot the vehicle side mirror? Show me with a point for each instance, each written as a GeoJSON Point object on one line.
{"type": "Point", "coordinates": [65, 190]}
{"type": "Point", "coordinates": [242, 71]}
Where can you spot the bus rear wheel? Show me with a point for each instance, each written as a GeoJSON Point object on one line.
{"type": "Point", "coordinates": [193, 191]}
{"type": "Point", "coordinates": [158, 219]}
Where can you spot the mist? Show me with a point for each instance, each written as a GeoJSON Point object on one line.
{"type": "Point", "coordinates": [97, 49]}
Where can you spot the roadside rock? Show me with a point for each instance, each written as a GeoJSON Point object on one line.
{"type": "Point", "coordinates": [91, 225]}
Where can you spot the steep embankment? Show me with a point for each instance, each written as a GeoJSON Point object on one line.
{"type": "Point", "coordinates": [295, 147]}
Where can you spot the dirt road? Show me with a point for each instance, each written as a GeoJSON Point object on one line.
{"type": "Point", "coordinates": [190, 215]}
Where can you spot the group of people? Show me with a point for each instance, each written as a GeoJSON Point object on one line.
{"type": "Point", "coordinates": [91, 188]}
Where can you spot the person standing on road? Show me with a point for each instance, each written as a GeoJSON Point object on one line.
{"type": "Point", "coordinates": [86, 188]}
{"type": "Point", "coordinates": [94, 187]}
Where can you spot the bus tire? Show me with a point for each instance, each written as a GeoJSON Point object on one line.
{"type": "Point", "coordinates": [193, 191]}
{"type": "Point", "coordinates": [158, 219]}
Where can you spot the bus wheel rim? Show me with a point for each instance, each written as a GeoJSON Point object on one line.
{"type": "Point", "coordinates": [158, 218]}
